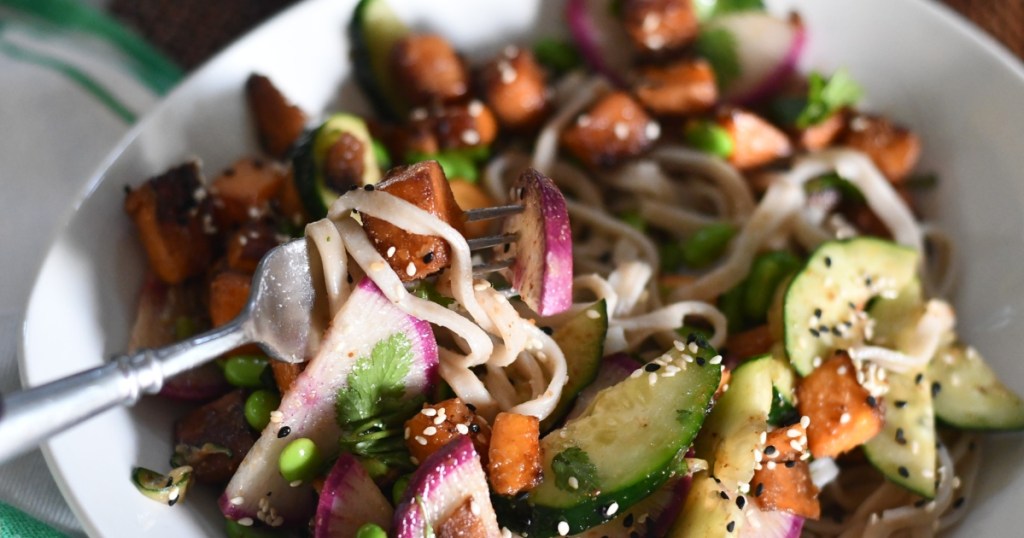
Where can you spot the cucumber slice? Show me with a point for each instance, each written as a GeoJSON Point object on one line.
{"type": "Point", "coordinates": [904, 451]}
{"type": "Point", "coordinates": [824, 303]}
{"type": "Point", "coordinates": [629, 441]}
{"type": "Point", "coordinates": [373, 32]}
{"type": "Point", "coordinates": [168, 489]}
{"type": "Point", "coordinates": [710, 510]}
{"type": "Point", "coordinates": [733, 430]}
{"type": "Point", "coordinates": [308, 162]}
{"type": "Point", "coordinates": [581, 339]}
{"type": "Point", "coordinates": [783, 409]}
{"type": "Point", "coordinates": [970, 396]}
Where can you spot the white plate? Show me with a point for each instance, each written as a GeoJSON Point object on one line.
{"type": "Point", "coordinates": [960, 91]}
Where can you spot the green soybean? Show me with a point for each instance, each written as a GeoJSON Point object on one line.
{"type": "Point", "coordinates": [371, 530]}
{"type": "Point", "coordinates": [258, 406]}
{"type": "Point", "coordinates": [709, 137]}
{"type": "Point", "coordinates": [707, 244]}
{"type": "Point", "coordinates": [245, 370]}
{"type": "Point", "coordinates": [456, 164]}
{"type": "Point", "coordinates": [398, 490]}
{"type": "Point", "coordinates": [300, 460]}
{"type": "Point", "coordinates": [559, 55]}
{"type": "Point", "coordinates": [731, 305]}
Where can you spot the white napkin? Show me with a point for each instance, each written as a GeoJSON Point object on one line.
{"type": "Point", "coordinates": [65, 100]}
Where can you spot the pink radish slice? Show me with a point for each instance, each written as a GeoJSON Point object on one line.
{"type": "Point", "coordinates": [542, 254]}
{"type": "Point", "coordinates": [349, 500]}
{"type": "Point", "coordinates": [600, 38]}
{"type": "Point", "coordinates": [771, 524]}
{"type": "Point", "coordinates": [614, 368]}
{"type": "Point", "coordinates": [768, 49]}
{"type": "Point", "coordinates": [446, 480]}
{"type": "Point", "coordinates": [307, 409]}
{"type": "Point", "coordinates": [677, 491]}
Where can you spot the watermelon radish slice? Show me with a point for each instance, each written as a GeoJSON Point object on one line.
{"type": "Point", "coordinates": [447, 480]}
{"type": "Point", "coordinates": [773, 524]}
{"type": "Point", "coordinates": [258, 491]}
{"type": "Point", "coordinates": [349, 500]}
{"type": "Point", "coordinates": [767, 49]}
{"type": "Point", "coordinates": [542, 254]}
{"type": "Point", "coordinates": [600, 38]}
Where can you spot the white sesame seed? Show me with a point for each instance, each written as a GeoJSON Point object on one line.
{"type": "Point", "coordinates": [796, 445]}
{"type": "Point", "coordinates": [410, 269]}
{"type": "Point", "coordinates": [470, 137]}
{"type": "Point", "coordinates": [505, 533]}
{"type": "Point", "coordinates": [462, 429]}
{"type": "Point", "coordinates": [652, 130]}
{"type": "Point", "coordinates": [636, 373]}
{"type": "Point", "coordinates": [377, 266]}
{"type": "Point", "coordinates": [717, 359]}
{"type": "Point", "coordinates": [593, 314]}
{"type": "Point", "coordinates": [805, 421]}
{"type": "Point", "coordinates": [693, 347]}
{"type": "Point", "coordinates": [429, 431]}
{"type": "Point", "coordinates": [652, 378]}
{"type": "Point", "coordinates": [792, 433]}
{"type": "Point", "coordinates": [844, 418]}
{"type": "Point", "coordinates": [439, 419]}
{"type": "Point", "coordinates": [407, 432]}
{"type": "Point", "coordinates": [621, 131]}
{"type": "Point", "coordinates": [744, 488]}
{"type": "Point", "coordinates": [679, 345]}
{"type": "Point", "coordinates": [475, 107]}
{"type": "Point", "coordinates": [764, 437]}
{"type": "Point", "coordinates": [421, 440]}
{"type": "Point", "coordinates": [391, 251]}
{"type": "Point", "coordinates": [418, 114]}
{"type": "Point", "coordinates": [236, 501]}
{"type": "Point", "coordinates": [295, 483]}
{"type": "Point", "coordinates": [612, 508]}
{"type": "Point", "coordinates": [429, 411]}
{"type": "Point", "coordinates": [245, 522]}
{"type": "Point", "coordinates": [474, 508]}
{"type": "Point", "coordinates": [771, 465]}
{"type": "Point", "coordinates": [574, 483]}
{"type": "Point", "coordinates": [563, 528]}
{"type": "Point", "coordinates": [276, 417]}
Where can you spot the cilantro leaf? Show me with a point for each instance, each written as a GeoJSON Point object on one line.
{"type": "Point", "coordinates": [707, 9]}
{"type": "Point", "coordinates": [574, 463]}
{"type": "Point", "coordinates": [826, 97]}
{"type": "Point", "coordinates": [718, 47]}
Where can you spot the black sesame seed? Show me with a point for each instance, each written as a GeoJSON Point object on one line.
{"type": "Point", "coordinates": [814, 333]}
{"type": "Point", "coordinates": [547, 330]}
{"type": "Point", "coordinates": [471, 407]}
{"type": "Point", "coordinates": [700, 361]}
{"type": "Point", "coordinates": [627, 521]}
{"type": "Point", "coordinates": [769, 450]}
{"type": "Point", "coordinates": [652, 367]}
{"type": "Point", "coordinates": [823, 329]}
{"type": "Point", "coordinates": [507, 247]}
{"type": "Point", "coordinates": [790, 464]}
{"type": "Point", "coordinates": [474, 427]}
{"type": "Point", "coordinates": [691, 338]}
{"type": "Point", "coordinates": [368, 188]}
{"type": "Point", "coordinates": [900, 404]}
{"type": "Point", "coordinates": [918, 378]}
{"type": "Point", "coordinates": [730, 526]}
{"type": "Point", "coordinates": [836, 331]}
{"type": "Point", "coordinates": [900, 438]}
{"type": "Point", "coordinates": [759, 489]}
{"type": "Point", "coordinates": [172, 502]}
{"type": "Point", "coordinates": [851, 305]}
{"type": "Point", "coordinates": [871, 401]}
{"type": "Point", "coordinates": [867, 281]}
{"type": "Point", "coordinates": [723, 495]}
{"type": "Point", "coordinates": [349, 278]}
{"type": "Point", "coordinates": [283, 432]}
{"type": "Point", "coordinates": [353, 188]}
{"type": "Point", "coordinates": [959, 502]}
{"type": "Point", "coordinates": [828, 261]}
{"type": "Point", "coordinates": [741, 501]}
{"type": "Point", "coordinates": [817, 312]}
{"type": "Point", "coordinates": [170, 482]}
{"type": "Point", "coordinates": [904, 472]}
{"type": "Point", "coordinates": [936, 388]}
{"type": "Point", "coordinates": [716, 479]}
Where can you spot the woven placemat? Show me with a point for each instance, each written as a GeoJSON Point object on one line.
{"type": "Point", "coordinates": [1004, 19]}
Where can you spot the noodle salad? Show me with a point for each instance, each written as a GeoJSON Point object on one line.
{"type": "Point", "coordinates": [647, 281]}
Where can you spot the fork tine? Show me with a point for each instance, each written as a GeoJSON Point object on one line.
{"type": "Point", "coordinates": [491, 241]}
{"type": "Point", "coordinates": [486, 213]}
{"type": "Point", "coordinates": [484, 268]}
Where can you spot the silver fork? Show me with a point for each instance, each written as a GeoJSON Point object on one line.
{"type": "Point", "coordinates": [277, 316]}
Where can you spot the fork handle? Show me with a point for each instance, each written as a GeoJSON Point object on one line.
{"type": "Point", "coordinates": [30, 416]}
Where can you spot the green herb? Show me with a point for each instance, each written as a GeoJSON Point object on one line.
{"type": "Point", "coordinates": [558, 55]}
{"type": "Point", "coordinates": [709, 137]}
{"type": "Point", "coordinates": [428, 531]}
{"type": "Point", "coordinates": [836, 183]}
{"type": "Point", "coordinates": [372, 408]}
{"type": "Point", "coordinates": [380, 153]}
{"type": "Point", "coordinates": [707, 9]}
{"type": "Point", "coordinates": [707, 244]}
{"type": "Point", "coordinates": [826, 97]}
{"type": "Point", "coordinates": [718, 47]}
{"type": "Point", "coordinates": [426, 290]}
{"type": "Point", "coordinates": [574, 471]}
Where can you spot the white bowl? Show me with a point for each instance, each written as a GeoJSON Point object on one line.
{"type": "Point", "coordinates": [920, 64]}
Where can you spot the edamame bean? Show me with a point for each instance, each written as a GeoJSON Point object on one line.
{"type": "Point", "coordinates": [398, 489]}
{"type": "Point", "coordinates": [710, 138]}
{"type": "Point", "coordinates": [245, 370]}
{"type": "Point", "coordinates": [300, 460]}
{"type": "Point", "coordinates": [371, 530]}
{"type": "Point", "coordinates": [258, 406]}
{"type": "Point", "coordinates": [557, 54]}
{"type": "Point", "coordinates": [707, 244]}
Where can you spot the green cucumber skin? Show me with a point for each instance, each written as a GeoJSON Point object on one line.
{"type": "Point", "coordinates": [846, 263]}
{"type": "Point", "coordinates": [304, 172]}
{"type": "Point", "coordinates": [582, 341]}
{"type": "Point", "coordinates": [917, 421]}
{"type": "Point", "coordinates": [979, 401]}
{"type": "Point", "coordinates": [540, 513]}
{"type": "Point", "coordinates": [384, 100]}
{"type": "Point", "coordinates": [317, 197]}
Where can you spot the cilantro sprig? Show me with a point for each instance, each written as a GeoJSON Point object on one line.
{"type": "Point", "coordinates": [574, 471]}
{"type": "Point", "coordinates": [707, 9]}
{"type": "Point", "coordinates": [373, 407]}
{"type": "Point", "coordinates": [827, 96]}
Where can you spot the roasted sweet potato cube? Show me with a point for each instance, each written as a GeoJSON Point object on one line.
{"type": "Point", "coordinates": [245, 190]}
{"type": "Point", "coordinates": [514, 460]}
{"type": "Point", "coordinates": [428, 70]}
{"type": "Point", "coordinates": [229, 292]}
{"type": "Point", "coordinates": [750, 342]}
{"type": "Point", "coordinates": [285, 374]}
{"type": "Point", "coordinates": [843, 413]}
{"type": "Point", "coordinates": [415, 256]}
{"type": "Point", "coordinates": [892, 148]}
{"type": "Point", "coordinates": [656, 26]}
{"type": "Point", "coordinates": [786, 443]}
{"type": "Point", "coordinates": [614, 129]}
{"type": "Point", "coordinates": [278, 122]}
{"type": "Point", "coordinates": [514, 86]}
{"type": "Point", "coordinates": [463, 523]}
{"type": "Point", "coordinates": [463, 126]}
{"type": "Point", "coordinates": [289, 202]}
{"type": "Point", "coordinates": [471, 196]}
{"type": "Point", "coordinates": [170, 220]}
{"type": "Point", "coordinates": [248, 245]}
{"type": "Point", "coordinates": [678, 89]}
{"type": "Point", "coordinates": [222, 424]}
{"type": "Point", "coordinates": [755, 141]}
{"type": "Point", "coordinates": [823, 134]}
{"type": "Point", "coordinates": [786, 486]}
{"type": "Point", "coordinates": [437, 424]}
{"type": "Point", "coordinates": [345, 163]}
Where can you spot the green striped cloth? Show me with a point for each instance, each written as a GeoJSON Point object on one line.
{"type": "Point", "coordinates": [72, 81]}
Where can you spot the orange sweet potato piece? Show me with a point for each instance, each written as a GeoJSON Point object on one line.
{"type": "Point", "coordinates": [428, 70]}
{"type": "Point", "coordinates": [755, 141]}
{"type": "Point", "coordinates": [614, 129]}
{"type": "Point", "coordinates": [437, 424]}
{"type": "Point", "coordinates": [514, 458]}
{"type": "Point", "coordinates": [248, 245]}
{"type": "Point", "coordinates": [750, 342]}
{"type": "Point", "coordinates": [229, 292]}
{"type": "Point", "coordinates": [285, 374]}
{"type": "Point", "coordinates": [677, 89]}
{"type": "Point", "coordinates": [843, 414]}
{"type": "Point", "coordinates": [169, 218]}
{"type": "Point", "coordinates": [659, 25]}
{"type": "Point", "coordinates": [786, 486]}
{"type": "Point", "coordinates": [892, 148]}
{"type": "Point", "coordinates": [471, 196]}
{"type": "Point", "coordinates": [415, 256]}
{"type": "Point", "coordinates": [244, 191]}
{"type": "Point", "coordinates": [824, 134]}
{"type": "Point", "coordinates": [463, 523]}
{"type": "Point", "coordinates": [278, 122]}
{"type": "Point", "coordinates": [514, 86]}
